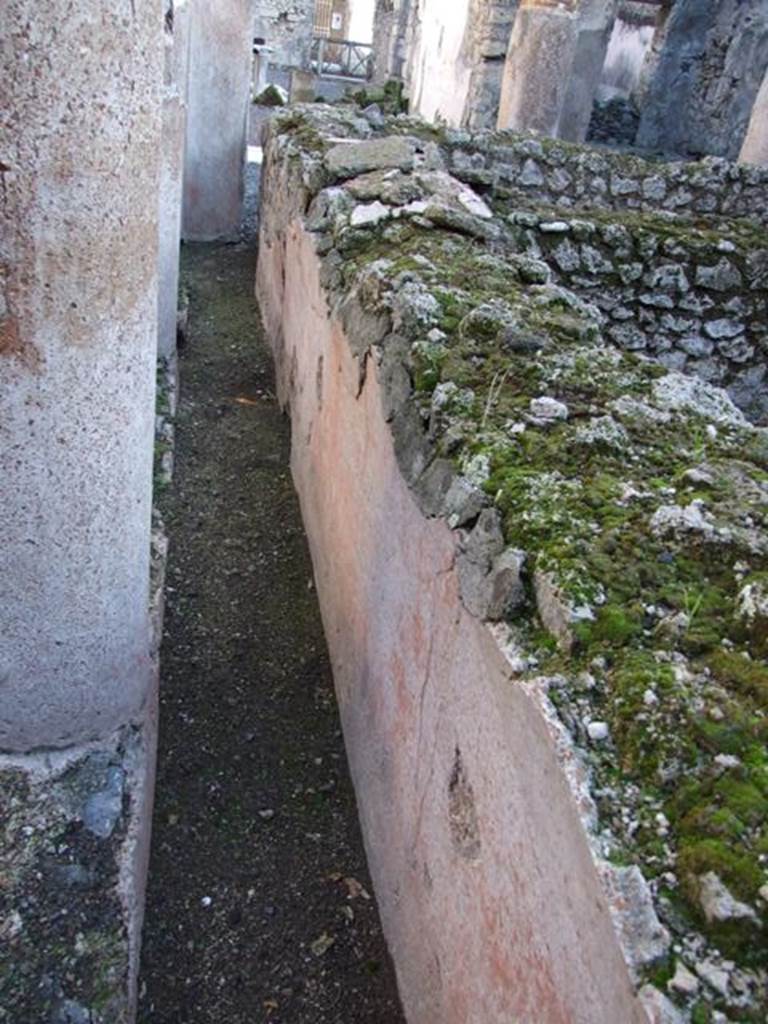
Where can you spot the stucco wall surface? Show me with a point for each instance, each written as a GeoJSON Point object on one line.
{"type": "Point", "coordinates": [80, 145]}
{"type": "Point", "coordinates": [218, 101]}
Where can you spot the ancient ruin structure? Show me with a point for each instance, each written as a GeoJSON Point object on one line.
{"type": "Point", "coordinates": [80, 195]}
{"type": "Point", "coordinates": [478, 443]}
{"type": "Point", "coordinates": [219, 87]}
{"type": "Point", "coordinates": [526, 379]}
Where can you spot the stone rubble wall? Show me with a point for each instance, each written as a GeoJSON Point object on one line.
{"type": "Point", "coordinates": [287, 27]}
{"type": "Point", "coordinates": [539, 556]}
{"type": "Point", "coordinates": [695, 300]}
{"type": "Point", "coordinates": [534, 170]}
{"type": "Point", "coordinates": [466, 849]}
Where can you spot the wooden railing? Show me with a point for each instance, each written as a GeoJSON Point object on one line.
{"type": "Point", "coordinates": [341, 58]}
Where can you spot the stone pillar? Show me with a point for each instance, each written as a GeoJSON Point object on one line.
{"type": "Point", "coordinates": [217, 115]}
{"type": "Point", "coordinates": [77, 354]}
{"type": "Point", "coordinates": [553, 67]}
{"type": "Point", "coordinates": [755, 148]}
{"type": "Point", "coordinates": [490, 25]}
{"type": "Point", "coordinates": [595, 25]}
{"type": "Point", "coordinates": [708, 72]}
{"type": "Point", "coordinates": [390, 25]}
{"type": "Point", "coordinates": [172, 167]}
{"type": "Point", "coordinates": [80, 153]}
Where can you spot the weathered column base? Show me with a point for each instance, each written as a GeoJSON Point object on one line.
{"type": "Point", "coordinates": [74, 845]}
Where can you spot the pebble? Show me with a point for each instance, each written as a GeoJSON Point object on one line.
{"type": "Point", "coordinates": [598, 732]}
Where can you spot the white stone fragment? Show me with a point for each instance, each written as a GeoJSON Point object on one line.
{"type": "Point", "coordinates": [684, 981]}
{"type": "Point", "coordinates": [598, 732]}
{"type": "Point", "coordinates": [548, 409]}
{"type": "Point", "coordinates": [679, 393]}
{"type": "Point", "coordinates": [715, 976]}
{"type": "Point", "coordinates": [658, 1008]}
{"type": "Point", "coordinates": [472, 202]}
{"type": "Point", "coordinates": [727, 761]}
{"type": "Point", "coordinates": [719, 904]}
{"type": "Point", "coordinates": [752, 602]}
{"type": "Point", "coordinates": [369, 214]}
{"type": "Point", "coordinates": [679, 519]}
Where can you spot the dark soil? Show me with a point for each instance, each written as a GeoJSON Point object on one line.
{"type": "Point", "coordinates": [255, 910]}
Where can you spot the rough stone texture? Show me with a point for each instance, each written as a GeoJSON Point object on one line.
{"type": "Point", "coordinates": [553, 66]}
{"type": "Point", "coordinates": [466, 849]}
{"type": "Point", "coordinates": [537, 170]}
{"type": "Point", "coordinates": [219, 88]}
{"type": "Point", "coordinates": [79, 258]}
{"type": "Point", "coordinates": [286, 26]}
{"type": "Point", "coordinates": [73, 854]}
{"type": "Point", "coordinates": [441, 381]}
{"type": "Point", "coordinates": [695, 298]}
{"type": "Point", "coordinates": [755, 148]}
{"type": "Point", "coordinates": [172, 168]}
{"type": "Point", "coordinates": [709, 61]}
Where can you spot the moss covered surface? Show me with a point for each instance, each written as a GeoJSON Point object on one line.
{"type": "Point", "coordinates": [647, 509]}
{"type": "Point", "coordinates": [579, 500]}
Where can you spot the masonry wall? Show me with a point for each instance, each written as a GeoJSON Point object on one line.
{"type": "Point", "coordinates": [286, 26]}
{"type": "Point", "coordinates": [468, 823]}
{"type": "Point", "coordinates": [707, 65]}
{"type": "Point", "coordinates": [692, 298]}
{"type": "Point", "coordinates": [536, 170]}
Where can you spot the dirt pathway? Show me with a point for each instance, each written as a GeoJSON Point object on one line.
{"type": "Point", "coordinates": [257, 907]}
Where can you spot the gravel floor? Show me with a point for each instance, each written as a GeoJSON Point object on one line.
{"type": "Point", "coordinates": [259, 905]}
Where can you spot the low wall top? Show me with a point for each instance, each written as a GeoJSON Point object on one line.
{"type": "Point", "coordinates": [612, 509]}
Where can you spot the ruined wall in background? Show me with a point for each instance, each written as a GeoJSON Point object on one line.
{"type": "Point", "coordinates": [490, 25]}
{"type": "Point", "coordinates": [454, 56]}
{"type": "Point", "coordinates": [553, 66]}
{"type": "Point", "coordinates": [287, 27]}
{"type": "Point", "coordinates": [706, 69]}
{"type": "Point", "coordinates": [440, 59]}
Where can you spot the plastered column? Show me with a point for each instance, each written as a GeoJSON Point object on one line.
{"type": "Point", "coordinates": [219, 94]}
{"type": "Point", "coordinates": [79, 168]}
{"type": "Point", "coordinates": [755, 148]}
{"type": "Point", "coordinates": [538, 64]}
{"type": "Point", "coordinates": [176, 39]}
{"type": "Point", "coordinates": [703, 77]}
{"type": "Point", "coordinates": [595, 24]}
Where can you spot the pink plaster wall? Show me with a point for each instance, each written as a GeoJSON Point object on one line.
{"type": "Point", "coordinates": [488, 894]}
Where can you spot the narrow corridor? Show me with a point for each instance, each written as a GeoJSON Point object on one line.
{"type": "Point", "coordinates": [259, 905]}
